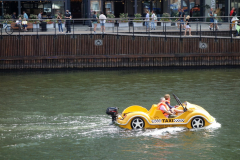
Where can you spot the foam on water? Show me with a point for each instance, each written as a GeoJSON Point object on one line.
{"type": "Point", "coordinates": [78, 127]}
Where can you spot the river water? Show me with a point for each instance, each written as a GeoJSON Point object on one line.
{"type": "Point", "coordinates": [61, 114]}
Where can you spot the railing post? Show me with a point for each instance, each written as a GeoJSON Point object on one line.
{"type": "Point", "coordinates": [55, 36]}
{"type": "Point", "coordinates": [37, 30]}
{"type": "Point", "coordinates": [73, 28]}
{"type": "Point", "coordinates": [200, 33]}
{"type": "Point", "coordinates": [197, 29]}
{"type": "Point", "coordinates": [117, 30]}
{"type": "Point", "coordinates": [1, 33]}
{"type": "Point", "coordinates": [129, 28]}
{"type": "Point", "coordinates": [165, 32]}
{"type": "Point", "coordinates": [133, 30]}
{"type": "Point", "coordinates": [180, 31]}
{"type": "Point", "coordinates": [231, 32]}
{"type": "Point", "coordinates": [215, 31]}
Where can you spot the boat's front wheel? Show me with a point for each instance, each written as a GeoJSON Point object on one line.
{"type": "Point", "coordinates": [198, 122]}
{"type": "Point", "coordinates": [137, 123]}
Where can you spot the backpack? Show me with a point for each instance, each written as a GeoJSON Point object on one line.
{"type": "Point", "coordinates": [155, 17]}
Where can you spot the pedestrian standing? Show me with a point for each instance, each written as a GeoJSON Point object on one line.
{"type": "Point", "coordinates": [68, 16]}
{"type": "Point", "coordinates": [147, 20]}
{"type": "Point", "coordinates": [234, 19]}
{"type": "Point", "coordinates": [211, 19]}
{"type": "Point", "coordinates": [188, 27]}
{"type": "Point", "coordinates": [102, 19]}
{"type": "Point", "coordinates": [94, 21]}
{"type": "Point", "coordinates": [59, 17]}
{"type": "Point", "coordinates": [182, 15]}
{"type": "Point", "coordinates": [215, 20]}
{"type": "Point", "coordinates": [25, 15]}
{"type": "Point", "coordinates": [153, 19]}
{"type": "Point", "coordinates": [231, 13]}
{"type": "Point", "coordinates": [179, 14]}
{"type": "Point", "coordinates": [14, 15]}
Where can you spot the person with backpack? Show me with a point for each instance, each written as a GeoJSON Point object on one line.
{"type": "Point", "coordinates": [154, 18]}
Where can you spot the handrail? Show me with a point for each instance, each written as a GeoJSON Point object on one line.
{"type": "Point", "coordinates": [75, 27]}
{"type": "Point", "coordinates": [125, 19]}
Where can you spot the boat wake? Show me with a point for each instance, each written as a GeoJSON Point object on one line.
{"type": "Point", "coordinates": [37, 127]}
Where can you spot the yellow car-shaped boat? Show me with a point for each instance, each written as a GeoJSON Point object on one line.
{"type": "Point", "coordinates": [137, 117]}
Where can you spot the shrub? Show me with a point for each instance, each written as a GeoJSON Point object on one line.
{"type": "Point", "coordinates": [110, 16]}
{"type": "Point", "coordinates": [137, 17]}
{"type": "Point", "coordinates": [123, 17]}
{"type": "Point", "coordinates": [165, 17]}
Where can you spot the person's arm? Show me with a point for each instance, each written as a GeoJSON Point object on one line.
{"type": "Point", "coordinates": [163, 109]}
{"type": "Point", "coordinates": [169, 105]}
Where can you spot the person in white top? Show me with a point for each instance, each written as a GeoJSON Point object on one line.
{"type": "Point", "coordinates": [153, 19]}
{"type": "Point", "coordinates": [102, 19]}
{"type": "Point", "coordinates": [147, 20]}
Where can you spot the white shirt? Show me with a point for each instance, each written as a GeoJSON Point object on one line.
{"type": "Point", "coordinates": [147, 17]}
{"type": "Point", "coordinates": [162, 107]}
{"type": "Point", "coordinates": [102, 18]}
{"type": "Point", "coordinates": [153, 16]}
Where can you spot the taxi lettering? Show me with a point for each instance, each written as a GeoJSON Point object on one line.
{"type": "Point", "coordinates": [167, 120]}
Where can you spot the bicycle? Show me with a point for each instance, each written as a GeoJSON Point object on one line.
{"type": "Point", "coordinates": [8, 29]}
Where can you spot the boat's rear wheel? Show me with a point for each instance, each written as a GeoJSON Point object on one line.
{"type": "Point", "coordinates": [197, 122]}
{"type": "Point", "coordinates": [137, 123]}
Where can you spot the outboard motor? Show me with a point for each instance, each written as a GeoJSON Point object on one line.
{"type": "Point", "coordinates": [112, 111]}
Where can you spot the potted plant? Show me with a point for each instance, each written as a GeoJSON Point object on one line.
{"type": "Point", "coordinates": [110, 22]}
{"type": "Point", "coordinates": [49, 23]}
{"type": "Point", "coordinates": [123, 22]}
{"type": "Point", "coordinates": [137, 22]}
{"type": "Point", "coordinates": [175, 20]}
{"type": "Point", "coordinates": [7, 21]}
{"type": "Point", "coordinates": [34, 20]}
{"type": "Point", "coordinates": [166, 20]}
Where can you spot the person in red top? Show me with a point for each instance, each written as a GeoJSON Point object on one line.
{"type": "Point", "coordinates": [164, 108]}
{"type": "Point", "coordinates": [232, 11]}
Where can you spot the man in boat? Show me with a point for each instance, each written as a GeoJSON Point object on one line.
{"type": "Point", "coordinates": [167, 101]}
{"type": "Point", "coordinates": [166, 108]}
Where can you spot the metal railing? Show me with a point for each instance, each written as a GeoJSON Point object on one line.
{"type": "Point", "coordinates": [164, 26]}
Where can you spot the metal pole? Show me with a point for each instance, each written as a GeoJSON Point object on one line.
{"type": "Point", "coordinates": [133, 29]}
{"type": "Point", "coordinates": [165, 31]}
{"type": "Point", "coordinates": [135, 6]}
{"type": "Point", "coordinates": [231, 31]}
{"type": "Point", "coordinates": [200, 32]}
{"type": "Point", "coordinates": [180, 31]}
{"type": "Point", "coordinates": [37, 30]}
{"type": "Point", "coordinates": [19, 7]}
{"type": "Point", "coordinates": [197, 29]}
{"type": "Point", "coordinates": [73, 27]}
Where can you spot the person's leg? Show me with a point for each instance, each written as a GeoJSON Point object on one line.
{"type": "Point", "coordinates": [58, 27]}
{"type": "Point", "coordinates": [103, 27]}
{"type": "Point", "coordinates": [190, 32]}
{"type": "Point", "coordinates": [61, 27]}
{"type": "Point", "coordinates": [95, 27]}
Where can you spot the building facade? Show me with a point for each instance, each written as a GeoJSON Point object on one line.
{"type": "Point", "coordinates": [85, 8]}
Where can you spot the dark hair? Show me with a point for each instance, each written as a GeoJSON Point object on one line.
{"type": "Point", "coordinates": [101, 12]}
{"type": "Point", "coordinates": [94, 12]}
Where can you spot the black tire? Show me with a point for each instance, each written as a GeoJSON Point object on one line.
{"type": "Point", "coordinates": [197, 122]}
{"type": "Point", "coordinates": [137, 123]}
{"type": "Point", "coordinates": [9, 30]}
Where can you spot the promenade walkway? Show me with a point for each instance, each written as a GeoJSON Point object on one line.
{"type": "Point", "coordinates": [84, 29]}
